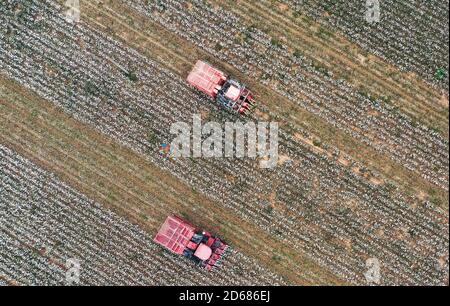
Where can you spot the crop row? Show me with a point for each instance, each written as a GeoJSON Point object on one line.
{"type": "Point", "coordinates": [44, 223]}
{"type": "Point", "coordinates": [390, 132]}
{"type": "Point", "coordinates": [413, 35]}
{"type": "Point", "coordinates": [321, 208]}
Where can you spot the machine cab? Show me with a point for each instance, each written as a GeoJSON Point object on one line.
{"type": "Point", "coordinates": [234, 96]}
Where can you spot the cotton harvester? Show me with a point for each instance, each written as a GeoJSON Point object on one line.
{"type": "Point", "coordinates": [229, 93]}
{"type": "Point", "coordinates": [182, 238]}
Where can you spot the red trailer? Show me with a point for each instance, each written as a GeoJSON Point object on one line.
{"type": "Point", "coordinates": [182, 238]}
{"type": "Point", "coordinates": [229, 93]}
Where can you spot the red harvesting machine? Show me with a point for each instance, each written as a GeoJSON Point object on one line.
{"type": "Point", "coordinates": [182, 238]}
{"type": "Point", "coordinates": [229, 93]}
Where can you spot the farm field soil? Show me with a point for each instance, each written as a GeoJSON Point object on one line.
{"type": "Point", "coordinates": [46, 223]}
{"type": "Point", "coordinates": [336, 198]}
{"type": "Point", "coordinates": [178, 55]}
{"type": "Point", "coordinates": [127, 184]}
{"type": "Point", "coordinates": [262, 57]}
{"type": "Point", "coordinates": [346, 60]}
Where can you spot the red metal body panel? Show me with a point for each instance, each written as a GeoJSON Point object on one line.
{"type": "Point", "coordinates": [175, 234]}
{"type": "Point", "coordinates": [206, 78]}
{"type": "Point", "coordinates": [191, 245]}
{"type": "Point", "coordinates": [210, 241]}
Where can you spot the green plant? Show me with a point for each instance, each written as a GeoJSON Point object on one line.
{"type": "Point", "coordinates": [440, 74]}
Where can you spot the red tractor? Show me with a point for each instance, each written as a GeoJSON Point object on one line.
{"type": "Point", "coordinates": [229, 93]}
{"type": "Point", "coordinates": [182, 238]}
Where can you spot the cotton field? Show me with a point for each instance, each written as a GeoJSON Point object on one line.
{"type": "Point", "coordinates": [45, 223]}
{"type": "Point", "coordinates": [336, 213]}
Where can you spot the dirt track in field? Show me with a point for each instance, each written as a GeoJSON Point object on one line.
{"type": "Point", "coordinates": [125, 182]}
{"type": "Point", "coordinates": [177, 54]}
{"type": "Point", "coordinates": [129, 185]}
